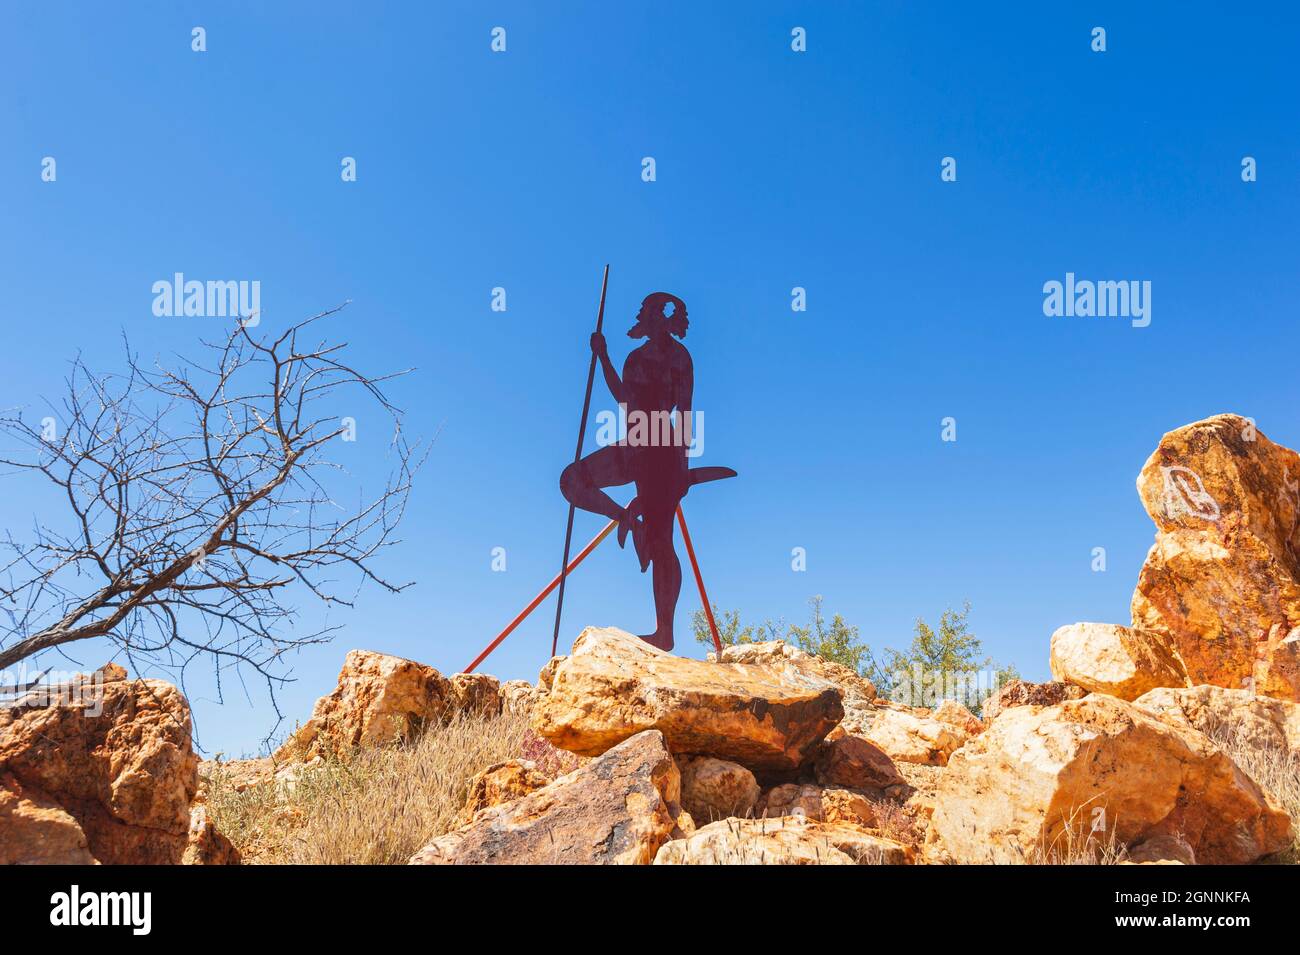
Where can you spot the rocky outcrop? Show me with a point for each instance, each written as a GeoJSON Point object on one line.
{"type": "Point", "coordinates": [1221, 585]}
{"type": "Point", "coordinates": [616, 810]}
{"type": "Point", "coordinates": [857, 693]}
{"type": "Point", "coordinates": [615, 685]}
{"type": "Point", "coordinates": [953, 713]}
{"type": "Point", "coordinates": [716, 788]}
{"type": "Point", "coordinates": [789, 840]}
{"type": "Point", "coordinates": [378, 699]}
{"type": "Point", "coordinates": [1042, 781]}
{"type": "Point", "coordinates": [109, 757]}
{"type": "Point", "coordinates": [1107, 658]}
{"type": "Point", "coordinates": [205, 845]}
{"type": "Point", "coordinates": [475, 694]}
{"type": "Point", "coordinates": [517, 697]}
{"type": "Point", "coordinates": [909, 738]}
{"type": "Point", "coordinates": [1259, 723]}
{"type": "Point", "coordinates": [819, 803]}
{"type": "Point", "coordinates": [502, 783]}
{"type": "Point", "coordinates": [36, 830]}
{"type": "Point", "coordinates": [847, 760]}
{"type": "Point", "coordinates": [1021, 693]}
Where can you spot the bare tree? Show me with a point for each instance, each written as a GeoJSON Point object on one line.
{"type": "Point", "coordinates": [193, 502]}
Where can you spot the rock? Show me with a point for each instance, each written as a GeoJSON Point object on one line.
{"type": "Point", "coordinates": [715, 788]}
{"type": "Point", "coordinates": [1260, 723]}
{"type": "Point", "coordinates": [35, 830]}
{"type": "Point", "coordinates": [789, 840]}
{"type": "Point", "coordinates": [829, 804]}
{"type": "Point", "coordinates": [614, 685]}
{"type": "Point", "coordinates": [205, 845]}
{"type": "Point", "coordinates": [379, 699]}
{"type": "Point", "coordinates": [1021, 693]}
{"type": "Point", "coordinates": [616, 810]}
{"type": "Point", "coordinates": [475, 694]}
{"type": "Point", "coordinates": [954, 714]}
{"type": "Point", "coordinates": [915, 739]}
{"type": "Point", "coordinates": [1107, 658]}
{"type": "Point", "coordinates": [502, 783]}
{"type": "Point", "coordinates": [852, 761]}
{"type": "Point", "coordinates": [1039, 779]}
{"type": "Point", "coordinates": [1169, 848]}
{"type": "Point", "coordinates": [517, 697]}
{"type": "Point", "coordinates": [113, 754]}
{"type": "Point", "coordinates": [857, 692]}
{"type": "Point", "coordinates": [1221, 584]}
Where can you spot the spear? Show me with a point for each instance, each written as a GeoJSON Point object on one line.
{"type": "Point", "coordinates": [577, 456]}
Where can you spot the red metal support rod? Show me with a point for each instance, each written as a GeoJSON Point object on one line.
{"type": "Point", "coordinates": [582, 555]}
{"type": "Point", "coordinates": [699, 582]}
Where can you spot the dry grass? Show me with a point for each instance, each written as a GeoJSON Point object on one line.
{"type": "Point", "coordinates": [1277, 771]}
{"type": "Point", "coordinates": [378, 808]}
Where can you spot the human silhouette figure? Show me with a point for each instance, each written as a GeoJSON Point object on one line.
{"type": "Point", "coordinates": [658, 380]}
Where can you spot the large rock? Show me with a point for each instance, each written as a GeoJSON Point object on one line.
{"type": "Point", "coordinates": [475, 694]}
{"type": "Point", "coordinates": [502, 783]}
{"type": "Point", "coordinates": [113, 755]}
{"type": "Point", "coordinates": [1107, 658]}
{"type": "Point", "coordinates": [614, 685]}
{"type": "Point", "coordinates": [1221, 585]}
{"type": "Point", "coordinates": [716, 788]}
{"type": "Point", "coordinates": [819, 803]}
{"type": "Point", "coordinates": [35, 830]}
{"type": "Point", "coordinates": [517, 697]}
{"type": "Point", "coordinates": [857, 692]}
{"type": "Point", "coordinates": [789, 840]}
{"type": "Point", "coordinates": [954, 713]}
{"type": "Point", "coordinates": [846, 760]}
{"type": "Point", "coordinates": [206, 845]}
{"type": "Point", "coordinates": [1260, 723]}
{"type": "Point", "coordinates": [1021, 693]}
{"type": "Point", "coordinates": [378, 699]}
{"type": "Point", "coordinates": [1041, 780]}
{"type": "Point", "coordinates": [909, 738]}
{"type": "Point", "coordinates": [616, 810]}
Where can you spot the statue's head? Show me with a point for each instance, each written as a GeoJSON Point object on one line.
{"type": "Point", "coordinates": [662, 314]}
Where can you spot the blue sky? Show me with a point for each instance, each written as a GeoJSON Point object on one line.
{"type": "Point", "coordinates": [775, 169]}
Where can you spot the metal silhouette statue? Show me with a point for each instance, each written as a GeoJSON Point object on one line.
{"type": "Point", "coordinates": [655, 393]}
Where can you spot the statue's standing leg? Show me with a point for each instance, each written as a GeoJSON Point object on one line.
{"type": "Point", "coordinates": [666, 575]}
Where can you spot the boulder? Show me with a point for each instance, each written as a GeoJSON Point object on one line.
{"type": "Point", "coordinates": [716, 788]}
{"type": "Point", "coordinates": [517, 697]}
{"type": "Point", "coordinates": [1166, 849]}
{"type": "Point", "coordinates": [954, 714]}
{"type": "Point", "coordinates": [378, 699]}
{"type": "Point", "coordinates": [846, 760]}
{"type": "Point", "coordinates": [615, 810]}
{"type": "Point", "coordinates": [857, 692]}
{"type": "Point", "coordinates": [111, 754]}
{"type": "Point", "coordinates": [1260, 723]}
{"type": "Point", "coordinates": [790, 840]}
{"type": "Point", "coordinates": [1043, 780]}
{"type": "Point", "coordinates": [502, 783]}
{"type": "Point", "coordinates": [821, 804]}
{"type": "Point", "coordinates": [1108, 658]}
{"type": "Point", "coordinates": [909, 738]}
{"type": "Point", "coordinates": [475, 694]}
{"type": "Point", "coordinates": [205, 845]}
{"type": "Point", "coordinates": [1221, 584]}
{"type": "Point", "coordinates": [1021, 693]}
{"type": "Point", "coordinates": [614, 685]}
{"type": "Point", "coordinates": [35, 830]}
